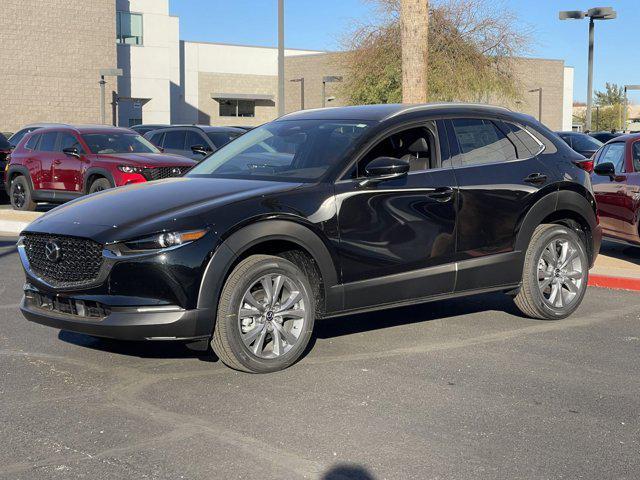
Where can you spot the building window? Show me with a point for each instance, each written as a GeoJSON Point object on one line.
{"type": "Point", "coordinates": [237, 108]}
{"type": "Point", "coordinates": [129, 28]}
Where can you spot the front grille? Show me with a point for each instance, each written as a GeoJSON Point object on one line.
{"type": "Point", "coordinates": [158, 173]}
{"type": "Point", "coordinates": [79, 259]}
{"type": "Point", "coordinates": [66, 306]}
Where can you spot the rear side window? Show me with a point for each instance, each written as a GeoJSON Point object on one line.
{"type": "Point", "coordinates": [48, 142]}
{"type": "Point", "coordinates": [481, 141]}
{"type": "Point", "coordinates": [32, 143]}
{"type": "Point", "coordinates": [157, 138]}
{"type": "Point", "coordinates": [174, 139]}
{"type": "Point", "coordinates": [613, 153]}
{"type": "Point", "coordinates": [636, 156]}
{"type": "Point", "coordinates": [193, 140]}
{"type": "Point", "coordinates": [526, 145]}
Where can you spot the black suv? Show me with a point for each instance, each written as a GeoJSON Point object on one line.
{"type": "Point", "coordinates": [192, 141]}
{"type": "Point", "coordinates": [318, 214]}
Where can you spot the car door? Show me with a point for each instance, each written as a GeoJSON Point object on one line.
{"type": "Point", "coordinates": [47, 154]}
{"type": "Point", "coordinates": [397, 237]}
{"type": "Point", "coordinates": [631, 193]}
{"type": "Point", "coordinates": [499, 178]}
{"type": "Point", "coordinates": [67, 168]}
{"type": "Point", "coordinates": [174, 140]}
{"type": "Point", "coordinates": [609, 191]}
{"type": "Point", "coordinates": [30, 160]}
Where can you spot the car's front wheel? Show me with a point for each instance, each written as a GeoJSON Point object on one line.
{"type": "Point", "coordinates": [555, 275]}
{"type": "Point", "coordinates": [265, 315]}
{"type": "Point", "coordinates": [99, 185]}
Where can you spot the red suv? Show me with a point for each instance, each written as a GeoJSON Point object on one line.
{"type": "Point", "coordinates": [57, 164]}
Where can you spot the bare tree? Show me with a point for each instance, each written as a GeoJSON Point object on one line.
{"type": "Point", "coordinates": [414, 32]}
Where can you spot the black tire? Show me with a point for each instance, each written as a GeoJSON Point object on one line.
{"type": "Point", "coordinates": [99, 185]}
{"type": "Point", "coordinates": [227, 338]}
{"type": "Point", "coordinates": [20, 194]}
{"type": "Point", "coordinates": [531, 300]}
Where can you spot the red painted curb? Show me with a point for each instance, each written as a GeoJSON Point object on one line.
{"type": "Point", "coordinates": [618, 283]}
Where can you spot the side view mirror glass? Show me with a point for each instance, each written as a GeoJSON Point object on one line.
{"type": "Point", "coordinates": [605, 169]}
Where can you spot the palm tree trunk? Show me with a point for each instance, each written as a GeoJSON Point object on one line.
{"type": "Point", "coordinates": [414, 27]}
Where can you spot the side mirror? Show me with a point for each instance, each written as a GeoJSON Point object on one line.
{"type": "Point", "coordinates": [384, 168]}
{"type": "Point", "coordinates": [201, 149]}
{"type": "Point", "coordinates": [72, 152]}
{"type": "Point", "coordinates": [605, 169]}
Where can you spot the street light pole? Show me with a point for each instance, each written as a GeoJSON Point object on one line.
{"type": "Point", "coordinates": [598, 13]}
{"type": "Point", "coordinates": [301, 82]}
{"type": "Point", "coordinates": [325, 80]}
{"type": "Point", "coordinates": [106, 72]}
{"type": "Point", "coordinates": [539, 90]}
{"type": "Point", "coordinates": [280, 58]}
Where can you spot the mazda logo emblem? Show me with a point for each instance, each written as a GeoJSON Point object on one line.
{"type": "Point", "coordinates": [52, 251]}
{"type": "Point", "coordinates": [175, 171]}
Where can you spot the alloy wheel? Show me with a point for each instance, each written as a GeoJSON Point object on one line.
{"type": "Point", "coordinates": [561, 273]}
{"type": "Point", "coordinates": [272, 316]}
{"type": "Point", "coordinates": [18, 195]}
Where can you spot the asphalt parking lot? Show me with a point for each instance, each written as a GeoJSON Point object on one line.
{"type": "Point", "coordinates": [459, 389]}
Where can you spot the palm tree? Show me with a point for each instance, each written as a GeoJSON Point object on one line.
{"type": "Point", "coordinates": [414, 28]}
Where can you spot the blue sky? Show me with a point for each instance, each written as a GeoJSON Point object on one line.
{"type": "Point", "coordinates": [321, 24]}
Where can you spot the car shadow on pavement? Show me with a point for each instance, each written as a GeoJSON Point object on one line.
{"type": "Point", "coordinates": [339, 326]}
{"type": "Point", "coordinates": [347, 472]}
{"type": "Point", "coordinates": [620, 251]}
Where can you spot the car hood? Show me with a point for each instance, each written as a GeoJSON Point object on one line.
{"type": "Point", "coordinates": [144, 208]}
{"type": "Point", "coordinates": [149, 159]}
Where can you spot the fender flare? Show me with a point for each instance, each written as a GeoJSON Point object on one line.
{"type": "Point", "coordinates": [21, 169]}
{"type": "Point", "coordinates": [96, 171]}
{"type": "Point", "coordinates": [234, 246]}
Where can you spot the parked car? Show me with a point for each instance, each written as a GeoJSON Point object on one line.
{"type": "Point", "coordinates": [322, 213]}
{"type": "Point", "coordinates": [15, 139]}
{"type": "Point", "coordinates": [146, 128]}
{"type": "Point", "coordinates": [193, 141]}
{"type": "Point", "coordinates": [57, 164]}
{"type": "Point", "coordinates": [582, 143]}
{"type": "Point", "coordinates": [604, 137]}
{"type": "Point", "coordinates": [616, 183]}
{"type": "Point", "coordinates": [5, 151]}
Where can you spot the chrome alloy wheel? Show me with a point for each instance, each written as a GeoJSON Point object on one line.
{"type": "Point", "coordinates": [272, 316]}
{"type": "Point", "coordinates": [561, 273]}
{"type": "Point", "coordinates": [19, 195]}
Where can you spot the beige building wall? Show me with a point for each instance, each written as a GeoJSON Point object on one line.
{"type": "Point", "coordinates": [243, 84]}
{"type": "Point", "coordinates": [51, 52]}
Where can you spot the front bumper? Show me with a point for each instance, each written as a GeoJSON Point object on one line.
{"type": "Point", "coordinates": [164, 322]}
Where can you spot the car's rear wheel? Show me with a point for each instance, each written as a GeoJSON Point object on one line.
{"type": "Point", "coordinates": [265, 315]}
{"type": "Point", "coordinates": [20, 194]}
{"type": "Point", "coordinates": [99, 184]}
{"type": "Point", "coordinates": [555, 275]}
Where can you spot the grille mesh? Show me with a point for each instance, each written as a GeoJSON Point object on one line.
{"type": "Point", "coordinates": [79, 263]}
{"type": "Point", "coordinates": [158, 173]}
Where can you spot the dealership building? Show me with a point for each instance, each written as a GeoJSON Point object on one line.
{"type": "Point", "coordinates": [53, 53]}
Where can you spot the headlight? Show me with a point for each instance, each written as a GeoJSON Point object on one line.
{"type": "Point", "coordinates": [129, 169]}
{"type": "Point", "coordinates": [165, 240]}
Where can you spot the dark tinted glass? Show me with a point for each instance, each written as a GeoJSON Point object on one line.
{"type": "Point", "coordinates": [480, 141]}
{"type": "Point", "coordinates": [585, 142]}
{"type": "Point", "coordinates": [48, 142]}
{"type": "Point", "coordinates": [4, 143]}
{"type": "Point", "coordinates": [219, 139]}
{"type": "Point", "coordinates": [16, 137]}
{"type": "Point", "coordinates": [156, 139]}
{"type": "Point", "coordinates": [32, 142]}
{"type": "Point", "coordinates": [194, 139]}
{"type": "Point", "coordinates": [636, 156]}
{"type": "Point", "coordinates": [108, 143]}
{"type": "Point", "coordinates": [174, 139]}
{"type": "Point", "coordinates": [526, 145]}
{"type": "Point", "coordinates": [69, 141]}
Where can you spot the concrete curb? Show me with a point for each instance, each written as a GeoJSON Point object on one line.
{"type": "Point", "coordinates": [12, 227]}
{"type": "Point", "coordinates": [615, 283]}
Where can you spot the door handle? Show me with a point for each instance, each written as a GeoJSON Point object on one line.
{"type": "Point", "coordinates": [57, 162]}
{"type": "Point", "coordinates": [442, 194]}
{"type": "Point", "coordinates": [536, 178]}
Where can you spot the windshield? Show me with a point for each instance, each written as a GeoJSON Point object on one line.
{"type": "Point", "coordinates": [220, 139]}
{"type": "Point", "coordinates": [107, 143]}
{"type": "Point", "coordinates": [301, 150]}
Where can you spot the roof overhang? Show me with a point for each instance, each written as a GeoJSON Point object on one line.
{"type": "Point", "coordinates": [242, 96]}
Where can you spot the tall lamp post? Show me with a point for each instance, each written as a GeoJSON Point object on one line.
{"type": "Point", "coordinates": [626, 103]}
{"type": "Point", "coordinates": [325, 80]}
{"type": "Point", "coordinates": [301, 82]}
{"type": "Point", "coordinates": [106, 72]}
{"type": "Point", "coordinates": [598, 13]}
{"type": "Point", "coordinates": [539, 90]}
{"type": "Point", "coordinates": [280, 58]}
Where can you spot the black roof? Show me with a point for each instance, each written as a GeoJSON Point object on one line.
{"type": "Point", "coordinates": [385, 111]}
{"type": "Point", "coordinates": [205, 128]}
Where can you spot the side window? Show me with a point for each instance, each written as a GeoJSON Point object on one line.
{"type": "Point", "coordinates": [48, 142]}
{"type": "Point", "coordinates": [526, 145]}
{"type": "Point", "coordinates": [613, 153]}
{"type": "Point", "coordinates": [157, 139]}
{"type": "Point", "coordinates": [174, 139]}
{"type": "Point", "coordinates": [70, 141]}
{"type": "Point", "coordinates": [481, 141]}
{"type": "Point", "coordinates": [193, 139]}
{"type": "Point", "coordinates": [32, 143]}
{"type": "Point", "coordinates": [636, 156]}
